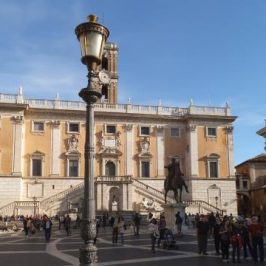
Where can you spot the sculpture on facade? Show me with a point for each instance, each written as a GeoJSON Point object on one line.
{"type": "Point", "coordinates": [73, 143]}
{"type": "Point", "coordinates": [174, 180]}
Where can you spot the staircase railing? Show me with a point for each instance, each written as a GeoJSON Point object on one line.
{"type": "Point", "coordinates": [10, 208]}
{"type": "Point", "coordinates": [205, 205]}
{"type": "Point", "coordinates": [44, 203]}
{"type": "Point", "coordinates": [153, 191]}
{"type": "Point", "coordinates": [7, 209]}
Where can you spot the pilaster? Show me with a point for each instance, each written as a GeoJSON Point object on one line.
{"type": "Point", "coordinates": [230, 150]}
{"type": "Point", "coordinates": [160, 151]}
{"type": "Point", "coordinates": [18, 122]}
{"type": "Point", "coordinates": [193, 150]}
{"type": "Point", "coordinates": [125, 197]}
{"type": "Point", "coordinates": [129, 148]}
{"type": "Point", "coordinates": [55, 149]}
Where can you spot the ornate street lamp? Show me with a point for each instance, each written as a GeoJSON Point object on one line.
{"type": "Point", "coordinates": [92, 37]}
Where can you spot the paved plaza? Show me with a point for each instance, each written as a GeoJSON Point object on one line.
{"type": "Point", "coordinates": [15, 250]}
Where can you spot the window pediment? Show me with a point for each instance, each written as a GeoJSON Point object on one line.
{"type": "Point", "coordinates": [37, 154]}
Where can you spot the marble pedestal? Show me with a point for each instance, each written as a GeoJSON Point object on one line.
{"type": "Point", "coordinates": [170, 210]}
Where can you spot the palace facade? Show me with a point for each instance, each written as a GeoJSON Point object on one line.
{"type": "Point", "coordinates": [42, 146]}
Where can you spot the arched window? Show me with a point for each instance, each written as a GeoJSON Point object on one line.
{"type": "Point", "coordinates": [105, 63]}
{"type": "Point", "coordinates": [110, 169]}
{"type": "Point", "coordinates": [105, 92]}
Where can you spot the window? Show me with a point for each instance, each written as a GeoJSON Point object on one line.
{"type": "Point", "coordinates": [145, 169]}
{"type": "Point", "coordinates": [145, 131]}
{"type": "Point", "coordinates": [73, 167]}
{"type": "Point", "coordinates": [245, 184]}
{"type": "Point", "coordinates": [110, 169]}
{"type": "Point", "coordinates": [213, 169]}
{"type": "Point", "coordinates": [237, 183]}
{"type": "Point", "coordinates": [105, 93]}
{"type": "Point", "coordinates": [36, 167]}
{"type": "Point", "coordinates": [110, 129]}
{"type": "Point", "coordinates": [175, 132]}
{"type": "Point", "coordinates": [38, 126]}
{"type": "Point", "coordinates": [211, 132]}
{"type": "Point", "coordinates": [105, 63]}
{"type": "Point", "coordinates": [73, 127]}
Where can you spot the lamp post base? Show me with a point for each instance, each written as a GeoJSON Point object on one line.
{"type": "Point", "coordinates": [88, 251]}
{"type": "Point", "coordinates": [88, 255]}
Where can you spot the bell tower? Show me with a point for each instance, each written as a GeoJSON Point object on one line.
{"type": "Point", "coordinates": [109, 73]}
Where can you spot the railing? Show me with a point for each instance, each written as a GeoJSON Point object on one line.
{"type": "Point", "coordinates": [205, 205]}
{"type": "Point", "coordinates": [7, 209]}
{"type": "Point", "coordinates": [203, 110]}
{"type": "Point", "coordinates": [10, 208]}
{"type": "Point", "coordinates": [121, 108]}
{"type": "Point", "coordinates": [159, 195]}
{"type": "Point", "coordinates": [126, 178]}
{"type": "Point", "coordinates": [44, 203]}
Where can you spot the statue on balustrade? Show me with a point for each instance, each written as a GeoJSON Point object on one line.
{"type": "Point", "coordinates": [174, 180]}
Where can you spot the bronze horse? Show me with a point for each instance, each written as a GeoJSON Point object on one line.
{"type": "Point", "coordinates": [174, 181]}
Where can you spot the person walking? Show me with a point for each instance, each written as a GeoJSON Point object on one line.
{"type": "Point", "coordinates": [137, 220]}
{"type": "Point", "coordinates": [67, 224]}
{"type": "Point", "coordinates": [25, 227]}
{"type": "Point", "coordinates": [225, 232]}
{"type": "Point", "coordinates": [47, 227]}
{"type": "Point", "coordinates": [161, 228]}
{"type": "Point", "coordinates": [243, 230]}
{"type": "Point", "coordinates": [154, 232]}
{"type": "Point", "coordinates": [236, 242]}
{"type": "Point", "coordinates": [178, 222]}
{"type": "Point", "coordinates": [217, 236]}
{"type": "Point", "coordinates": [256, 230]}
{"type": "Point", "coordinates": [115, 229]}
{"type": "Point", "coordinates": [202, 234]}
{"type": "Point", "coordinates": [121, 228]}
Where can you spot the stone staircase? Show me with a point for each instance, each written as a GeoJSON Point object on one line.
{"type": "Point", "coordinates": [150, 192]}
{"type": "Point", "coordinates": [158, 196]}
{"type": "Point", "coordinates": [54, 204]}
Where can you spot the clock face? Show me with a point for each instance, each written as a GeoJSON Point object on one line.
{"type": "Point", "coordinates": [104, 77]}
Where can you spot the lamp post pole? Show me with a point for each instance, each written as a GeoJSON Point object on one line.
{"type": "Point", "coordinates": [92, 37]}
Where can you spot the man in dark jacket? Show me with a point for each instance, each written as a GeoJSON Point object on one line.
{"type": "Point", "coordinates": [202, 234]}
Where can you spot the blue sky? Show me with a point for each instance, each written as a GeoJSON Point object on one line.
{"type": "Point", "coordinates": [212, 51]}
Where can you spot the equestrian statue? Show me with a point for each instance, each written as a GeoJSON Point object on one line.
{"type": "Point", "coordinates": [174, 181]}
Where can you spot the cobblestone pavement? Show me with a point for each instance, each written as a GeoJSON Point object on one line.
{"type": "Point", "coordinates": [15, 250]}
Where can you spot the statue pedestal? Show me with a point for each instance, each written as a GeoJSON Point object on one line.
{"type": "Point", "coordinates": [170, 210]}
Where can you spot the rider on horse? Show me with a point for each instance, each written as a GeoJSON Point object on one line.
{"type": "Point", "coordinates": [174, 178]}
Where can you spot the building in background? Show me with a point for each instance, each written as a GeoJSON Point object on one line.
{"type": "Point", "coordinates": [42, 143]}
{"type": "Point", "coordinates": [251, 183]}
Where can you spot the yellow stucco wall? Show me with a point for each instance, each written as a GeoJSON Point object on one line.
{"type": "Point", "coordinates": [6, 145]}
{"type": "Point", "coordinates": [207, 146]}
{"type": "Point", "coordinates": [174, 146]}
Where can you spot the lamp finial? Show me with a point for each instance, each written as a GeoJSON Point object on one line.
{"type": "Point", "coordinates": [92, 18]}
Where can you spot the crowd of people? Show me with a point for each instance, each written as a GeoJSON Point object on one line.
{"type": "Point", "coordinates": [243, 235]}
{"type": "Point", "coordinates": [234, 238]}
{"type": "Point", "coordinates": [33, 224]}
